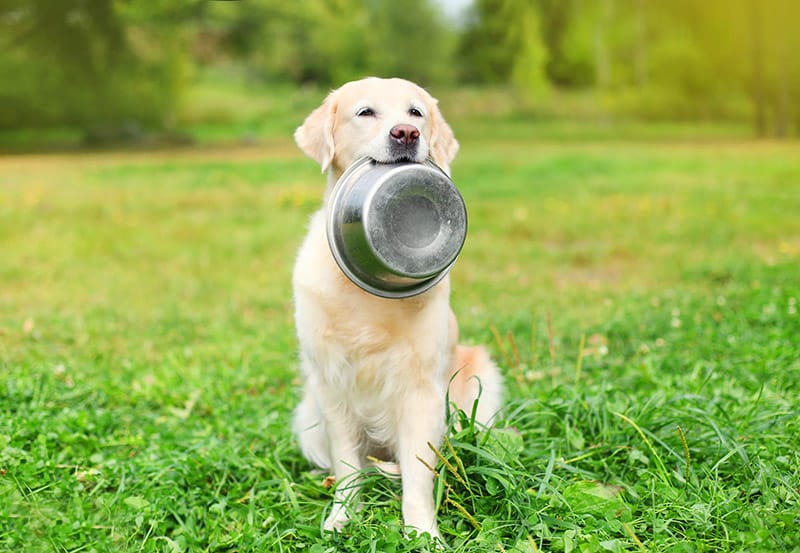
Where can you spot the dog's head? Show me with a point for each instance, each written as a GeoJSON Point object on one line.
{"type": "Point", "coordinates": [388, 120]}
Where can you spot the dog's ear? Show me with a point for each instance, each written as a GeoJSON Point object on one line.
{"type": "Point", "coordinates": [315, 135]}
{"type": "Point", "coordinates": [443, 143]}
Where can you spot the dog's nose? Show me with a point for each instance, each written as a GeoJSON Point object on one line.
{"type": "Point", "coordinates": [404, 134]}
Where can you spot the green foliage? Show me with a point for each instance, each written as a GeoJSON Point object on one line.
{"type": "Point", "coordinates": [328, 42]}
{"type": "Point", "coordinates": [567, 31]}
{"type": "Point", "coordinates": [484, 44]}
{"type": "Point", "coordinates": [409, 39]}
{"type": "Point", "coordinates": [115, 69]}
{"type": "Point", "coordinates": [501, 44]}
{"type": "Point", "coordinates": [90, 65]}
{"type": "Point", "coordinates": [652, 60]}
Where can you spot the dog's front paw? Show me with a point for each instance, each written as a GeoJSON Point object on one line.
{"type": "Point", "coordinates": [337, 519]}
{"type": "Point", "coordinates": [427, 528]}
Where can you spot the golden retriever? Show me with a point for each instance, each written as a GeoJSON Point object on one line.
{"type": "Point", "coordinates": [377, 371]}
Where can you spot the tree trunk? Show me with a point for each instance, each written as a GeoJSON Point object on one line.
{"type": "Point", "coordinates": [640, 60]}
{"type": "Point", "coordinates": [759, 98]}
{"type": "Point", "coordinates": [782, 100]}
{"type": "Point", "coordinates": [602, 57]}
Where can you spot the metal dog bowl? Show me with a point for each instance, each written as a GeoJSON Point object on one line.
{"type": "Point", "coordinates": [396, 229]}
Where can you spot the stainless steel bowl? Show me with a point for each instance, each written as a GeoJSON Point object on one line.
{"type": "Point", "coordinates": [395, 230]}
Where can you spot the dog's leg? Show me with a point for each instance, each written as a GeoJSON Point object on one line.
{"type": "Point", "coordinates": [310, 431]}
{"type": "Point", "coordinates": [346, 463]}
{"type": "Point", "coordinates": [422, 424]}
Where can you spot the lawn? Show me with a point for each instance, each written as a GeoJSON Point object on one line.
{"type": "Point", "coordinates": [639, 291]}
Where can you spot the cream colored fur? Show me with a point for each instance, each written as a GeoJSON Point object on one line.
{"type": "Point", "coordinates": [376, 371]}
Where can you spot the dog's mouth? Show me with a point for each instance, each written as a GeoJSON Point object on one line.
{"type": "Point", "coordinates": [404, 159]}
{"type": "Point", "coordinates": [392, 161]}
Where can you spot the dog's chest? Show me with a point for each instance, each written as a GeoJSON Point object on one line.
{"type": "Point", "coordinates": [380, 350]}
{"type": "Point", "coordinates": [359, 341]}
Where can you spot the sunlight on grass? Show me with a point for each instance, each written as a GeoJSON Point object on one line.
{"type": "Point", "coordinates": [643, 297]}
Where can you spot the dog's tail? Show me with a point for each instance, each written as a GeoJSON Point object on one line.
{"type": "Point", "coordinates": [474, 377]}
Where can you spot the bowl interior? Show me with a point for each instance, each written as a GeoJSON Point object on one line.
{"type": "Point", "coordinates": [415, 221]}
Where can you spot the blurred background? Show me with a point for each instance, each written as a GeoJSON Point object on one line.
{"type": "Point", "coordinates": [111, 72]}
{"type": "Point", "coordinates": [631, 170]}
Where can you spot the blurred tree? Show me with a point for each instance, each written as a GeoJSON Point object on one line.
{"type": "Point", "coordinates": [568, 32]}
{"type": "Point", "coordinates": [319, 41]}
{"type": "Point", "coordinates": [409, 39]}
{"type": "Point", "coordinates": [484, 55]}
{"type": "Point", "coordinates": [679, 59]}
{"type": "Point", "coordinates": [502, 43]}
{"type": "Point", "coordinates": [735, 48]}
{"type": "Point", "coordinates": [83, 63]}
{"type": "Point", "coordinates": [524, 38]}
{"type": "Point", "coordinates": [773, 76]}
{"type": "Point", "coordinates": [328, 42]}
{"type": "Point", "coordinates": [114, 67]}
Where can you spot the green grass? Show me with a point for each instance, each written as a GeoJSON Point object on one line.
{"type": "Point", "coordinates": [147, 355]}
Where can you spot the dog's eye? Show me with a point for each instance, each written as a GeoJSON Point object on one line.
{"type": "Point", "coordinates": [366, 112]}
{"type": "Point", "coordinates": [414, 112]}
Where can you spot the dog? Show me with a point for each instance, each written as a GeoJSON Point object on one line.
{"type": "Point", "coordinates": [376, 371]}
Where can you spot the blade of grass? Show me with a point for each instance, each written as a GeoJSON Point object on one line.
{"type": "Point", "coordinates": [552, 349]}
{"type": "Point", "coordinates": [662, 469]}
{"type": "Point", "coordinates": [500, 345]}
{"type": "Point", "coordinates": [579, 364]}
